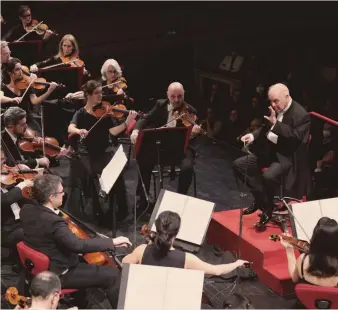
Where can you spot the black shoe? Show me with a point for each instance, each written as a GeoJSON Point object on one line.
{"type": "Point", "coordinates": [264, 220]}
{"type": "Point", "coordinates": [253, 208]}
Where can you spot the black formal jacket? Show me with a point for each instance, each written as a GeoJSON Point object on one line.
{"type": "Point", "coordinates": [291, 149]}
{"type": "Point", "coordinates": [9, 148]}
{"type": "Point", "coordinates": [13, 195]}
{"type": "Point", "coordinates": [158, 116]}
{"type": "Point", "coordinates": [48, 233]}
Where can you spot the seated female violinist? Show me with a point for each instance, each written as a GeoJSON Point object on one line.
{"type": "Point", "coordinates": [160, 250]}
{"type": "Point", "coordinates": [15, 85]}
{"type": "Point", "coordinates": [113, 83]}
{"type": "Point", "coordinates": [68, 55]}
{"type": "Point", "coordinates": [26, 25]}
{"type": "Point", "coordinates": [95, 147]}
{"type": "Point", "coordinates": [320, 265]}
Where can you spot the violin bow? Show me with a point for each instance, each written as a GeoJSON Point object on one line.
{"type": "Point", "coordinates": [29, 85]}
{"type": "Point", "coordinates": [29, 32]}
{"type": "Point", "coordinates": [61, 64]}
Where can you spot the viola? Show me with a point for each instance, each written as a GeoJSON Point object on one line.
{"type": "Point", "coordinates": [121, 83]}
{"type": "Point", "coordinates": [31, 143]}
{"type": "Point", "coordinates": [39, 29]}
{"type": "Point", "coordinates": [13, 297]}
{"type": "Point", "coordinates": [301, 245]}
{"type": "Point", "coordinates": [39, 83]}
{"type": "Point", "coordinates": [117, 110]}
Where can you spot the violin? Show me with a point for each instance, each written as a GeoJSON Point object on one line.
{"type": "Point", "coordinates": [13, 297]}
{"type": "Point", "coordinates": [39, 29]}
{"type": "Point", "coordinates": [301, 245]}
{"type": "Point", "coordinates": [31, 143]}
{"type": "Point", "coordinates": [117, 110]}
{"type": "Point", "coordinates": [72, 61]}
{"type": "Point", "coordinates": [121, 83]}
{"type": "Point", "coordinates": [39, 83]}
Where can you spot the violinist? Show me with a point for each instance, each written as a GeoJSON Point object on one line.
{"type": "Point", "coordinates": [51, 236]}
{"type": "Point", "coordinates": [11, 201]}
{"type": "Point", "coordinates": [15, 127]}
{"type": "Point", "coordinates": [95, 147]}
{"type": "Point", "coordinates": [11, 89]}
{"type": "Point", "coordinates": [21, 29]}
{"type": "Point", "coordinates": [68, 54]}
{"type": "Point", "coordinates": [320, 265]}
{"type": "Point", "coordinates": [163, 114]}
{"type": "Point", "coordinates": [161, 252]}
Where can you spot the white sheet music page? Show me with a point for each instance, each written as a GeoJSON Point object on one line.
{"type": "Point", "coordinates": [113, 170]}
{"type": "Point", "coordinates": [329, 207]}
{"type": "Point", "coordinates": [163, 288]}
{"type": "Point", "coordinates": [195, 215]}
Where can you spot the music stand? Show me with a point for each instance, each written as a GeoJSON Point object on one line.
{"type": "Point", "coordinates": [163, 146]}
{"type": "Point", "coordinates": [108, 178]}
{"type": "Point", "coordinates": [144, 287]}
{"type": "Point", "coordinates": [191, 210]}
{"type": "Point", "coordinates": [27, 51]}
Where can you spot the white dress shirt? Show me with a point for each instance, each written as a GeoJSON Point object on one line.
{"type": "Point", "coordinates": [170, 122]}
{"type": "Point", "coordinates": [14, 206]}
{"type": "Point", "coordinates": [272, 136]}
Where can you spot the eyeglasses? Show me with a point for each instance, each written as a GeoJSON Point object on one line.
{"type": "Point", "coordinates": [25, 16]}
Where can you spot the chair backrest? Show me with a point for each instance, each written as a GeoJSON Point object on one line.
{"type": "Point", "coordinates": [317, 297]}
{"type": "Point", "coordinates": [31, 259]}
{"type": "Point", "coordinates": [130, 127]}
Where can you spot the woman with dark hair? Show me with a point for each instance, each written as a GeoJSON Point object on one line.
{"type": "Point", "coordinates": [160, 250]}
{"type": "Point", "coordinates": [12, 95]}
{"type": "Point", "coordinates": [95, 149]}
{"type": "Point", "coordinates": [320, 265]}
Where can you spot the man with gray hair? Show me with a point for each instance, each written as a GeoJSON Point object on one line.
{"type": "Point", "coordinates": [283, 152]}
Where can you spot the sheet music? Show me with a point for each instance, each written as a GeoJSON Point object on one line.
{"type": "Point", "coordinates": [195, 215]}
{"type": "Point", "coordinates": [308, 213]}
{"type": "Point", "coordinates": [113, 170]}
{"type": "Point", "coordinates": [163, 288]}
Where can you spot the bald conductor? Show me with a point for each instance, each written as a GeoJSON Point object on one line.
{"type": "Point", "coordinates": [283, 151]}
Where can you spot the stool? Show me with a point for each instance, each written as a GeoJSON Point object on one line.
{"type": "Point", "coordinates": [166, 173]}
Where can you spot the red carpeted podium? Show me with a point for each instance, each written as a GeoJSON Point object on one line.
{"type": "Point", "coordinates": [269, 257]}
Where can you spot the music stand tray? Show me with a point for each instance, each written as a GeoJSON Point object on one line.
{"type": "Point", "coordinates": [162, 146]}
{"type": "Point", "coordinates": [192, 211]}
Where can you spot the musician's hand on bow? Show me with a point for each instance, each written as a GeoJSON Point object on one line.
{"type": "Point", "coordinates": [44, 161]}
{"type": "Point", "coordinates": [272, 118]}
{"type": "Point", "coordinates": [83, 133]}
{"type": "Point", "coordinates": [25, 183]}
{"type": "Point", "coordinates": [248, 138]}
{"type": "Point", "coordinates": [33, 68]}
{"type": "Point", "coordinates": [121, 242]}
{"type": "Point", "coordinates": [17, 100]}
{"type": "Point", "coordinates": [133, 136]}
{"type": "Point", "coordinates": [196, 129]}
{"type": "Point", "coordinates": [63, 152]}
{"type": "Point", "coordinates": [120, 92]}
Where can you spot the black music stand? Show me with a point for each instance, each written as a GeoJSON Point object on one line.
{"type": "Point", "coordinates": [163, 146]}
{"type": "Point", "coordinates": [27, 51]}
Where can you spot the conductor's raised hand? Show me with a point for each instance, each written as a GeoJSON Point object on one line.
{"type": "Point", "coordinates": [272, 118]}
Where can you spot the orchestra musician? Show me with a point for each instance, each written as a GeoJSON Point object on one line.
{"type": "Point", "coordinates": [15, 127]}
{"type": "Point", "coordinates": [12, 75]}
{"type": "Point", "coordinates": [160, 115]}
{"type": "Point", "coordinates": [19, 30]}
{"type": "Point", "coordinates": [320, 265]}
{"type": "Point", "coordinates": [51, 236]}
{"type": "Point", "coordinates": [284, 151]}
{"type": "Point", "coordinates": [68, 51]}
{"type": "Point", "coordinates": [11, 201]}
{"type": "Point", "coordinates": [95, 149]}
{"type": "Point", "coordinates": [160, 250]}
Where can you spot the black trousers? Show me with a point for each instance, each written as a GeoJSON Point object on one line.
{"type": "Point", "coordinates": [87, 169]}
{"type": "Point", "coordinates": [92, 276]}
{"type": "Point", "coordinates": [184, 180]}
{"type": "Point", "coordinates": [262, 185]}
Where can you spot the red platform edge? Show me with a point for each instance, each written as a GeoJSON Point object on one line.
{"type": "Point", "coordinates": [268, 257]}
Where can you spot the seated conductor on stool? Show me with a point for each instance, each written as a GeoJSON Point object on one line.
{"type": "Point", "coordinates": [283, 149]}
